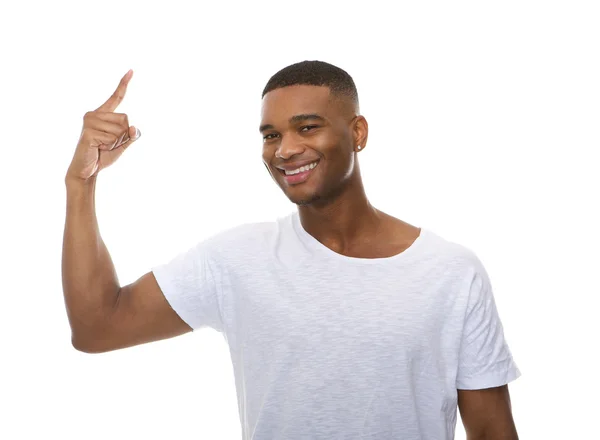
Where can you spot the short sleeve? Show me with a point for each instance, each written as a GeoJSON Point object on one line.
{"type": "Point", "coordinates": [485, 359]}
{"type": "Point", "coordinates": [189, 282]}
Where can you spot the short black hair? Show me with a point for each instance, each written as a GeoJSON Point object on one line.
{"type": "Point", "coordinates": [315, 73]}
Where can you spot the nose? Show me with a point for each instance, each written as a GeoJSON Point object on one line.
{"type": "Point", "coordinates": [288, 147]}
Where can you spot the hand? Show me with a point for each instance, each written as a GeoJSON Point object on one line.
{"type": "Point", "coordinates": [104, 137]}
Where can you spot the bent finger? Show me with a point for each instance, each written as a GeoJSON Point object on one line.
{"type": "Point", "coordinates": [101, 139]}
{"type": "Point", "coordinates": [108, 127]}
{"type": "Point", "coordinates": [132, 136]}
{"type": "Point", "coordinates": [116, 118]}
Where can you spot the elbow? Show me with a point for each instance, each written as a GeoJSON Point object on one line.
{"type": "Point", "coordinates": [82, 346]}
{"type": "Point", "coordinates": [89, 333]}
{"type": "Point", "coordinates": [90, 343]}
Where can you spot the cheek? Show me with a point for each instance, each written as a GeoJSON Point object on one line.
{"type": "Point", "coordinates": [340, 164]}
{"type": "Point", "coordinates": [267, 153]}
{"type": "Point", "coordinates": [325, 143]}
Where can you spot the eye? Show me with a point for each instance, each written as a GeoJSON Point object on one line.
{"type": "Point", "coordinates": [268, 137]}
{"type": "Point", "coordinates": [308, 127]}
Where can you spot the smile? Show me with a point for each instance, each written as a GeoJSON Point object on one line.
{"type": "Point", "coordinates": [299, 174]}
{"type": "Point", "coordinates": [308, 167]}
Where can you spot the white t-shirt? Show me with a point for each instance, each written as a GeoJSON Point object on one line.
{"type": "Point", "coordinates": [326, 346]}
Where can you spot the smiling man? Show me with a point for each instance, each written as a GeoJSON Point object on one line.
{"type": "Point", "coordinates": [342, 321]}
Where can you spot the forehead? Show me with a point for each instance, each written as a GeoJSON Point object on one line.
{"type": "Point", "coordinates": [285, 102]}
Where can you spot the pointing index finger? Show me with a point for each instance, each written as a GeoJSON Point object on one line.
{"type": "Point", "coordinates": [113, 102]}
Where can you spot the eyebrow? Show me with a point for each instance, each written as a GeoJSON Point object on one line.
{"type": "Point", "coordinates": [296, 119]}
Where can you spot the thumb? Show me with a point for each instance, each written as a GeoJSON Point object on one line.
{"type": "Point", "coordinates": [133, 135]}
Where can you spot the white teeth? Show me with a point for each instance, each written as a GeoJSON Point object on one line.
{"type": "Point", "coordinates": [301, 169]}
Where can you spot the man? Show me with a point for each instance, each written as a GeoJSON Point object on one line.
{"type": "Point", "coordinates": [342, 321]}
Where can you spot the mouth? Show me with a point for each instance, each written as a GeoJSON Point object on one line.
{"type": "Point", "coordinates": [298, 175]}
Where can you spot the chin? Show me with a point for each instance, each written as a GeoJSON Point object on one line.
{"type": "Point", "coordinates": [303, 199]}
{"type": "Point", "coordinates": [306, 202]}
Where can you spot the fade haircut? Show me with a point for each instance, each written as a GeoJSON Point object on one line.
{"type": "Point", "coordinates": [315, 73]}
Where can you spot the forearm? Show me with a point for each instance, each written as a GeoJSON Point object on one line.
{"type": "Point", "coordinates": [90, 284]}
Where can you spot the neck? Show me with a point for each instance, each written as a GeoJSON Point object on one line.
{"type": "Point", "coordinates": [344, 220]}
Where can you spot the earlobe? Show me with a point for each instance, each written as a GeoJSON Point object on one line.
{"type": "Point", "coordinates": [361, 132]}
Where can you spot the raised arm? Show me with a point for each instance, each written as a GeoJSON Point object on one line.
{"type": "Point", "coordinates": [103, 315]}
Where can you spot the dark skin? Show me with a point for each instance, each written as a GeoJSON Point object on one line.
{"type": "Point", "coordinates": [304, 123]}
{"type": "Point", "coordinates": [332, 203]}
{"type": "Point", "coordinates": [487, 414]}
{"type": "Point", "coordinates": [105, 316]}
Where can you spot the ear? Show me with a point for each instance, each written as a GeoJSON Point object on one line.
{"type": "Point", "coordinates": [360, 132]}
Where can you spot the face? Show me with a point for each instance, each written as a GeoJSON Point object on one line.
{"type": "Point", "coordinates": [309, 142]}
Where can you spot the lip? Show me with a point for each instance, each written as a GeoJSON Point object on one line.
{"type": "Point", "coordinates": [294, 179]}
{"type": "Point", "coordinates": [295, 165]}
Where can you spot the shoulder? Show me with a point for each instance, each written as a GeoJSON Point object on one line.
{"type": "Point", "coordinates": [250, 233]}
{"type": "Point", "coordinates": [246, 238]}
{"type": "Point", "coordinates": [449, 250]}
{"type": "Point", "coordinates": [453, 257]}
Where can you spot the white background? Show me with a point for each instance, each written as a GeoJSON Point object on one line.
{"type": "Point", "coordinates": [483, 127]}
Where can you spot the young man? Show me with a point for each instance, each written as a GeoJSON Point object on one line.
{"type": "Point", "coordinates": [342, 321]}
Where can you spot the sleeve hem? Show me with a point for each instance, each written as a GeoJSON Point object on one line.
{"type": "Point", "coordinates": [176, 303]}
{"type": "Point", "coordinates": [489, 380]}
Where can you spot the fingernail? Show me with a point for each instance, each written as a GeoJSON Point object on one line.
{"type": "Point", "coordinates": [138, 133]}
